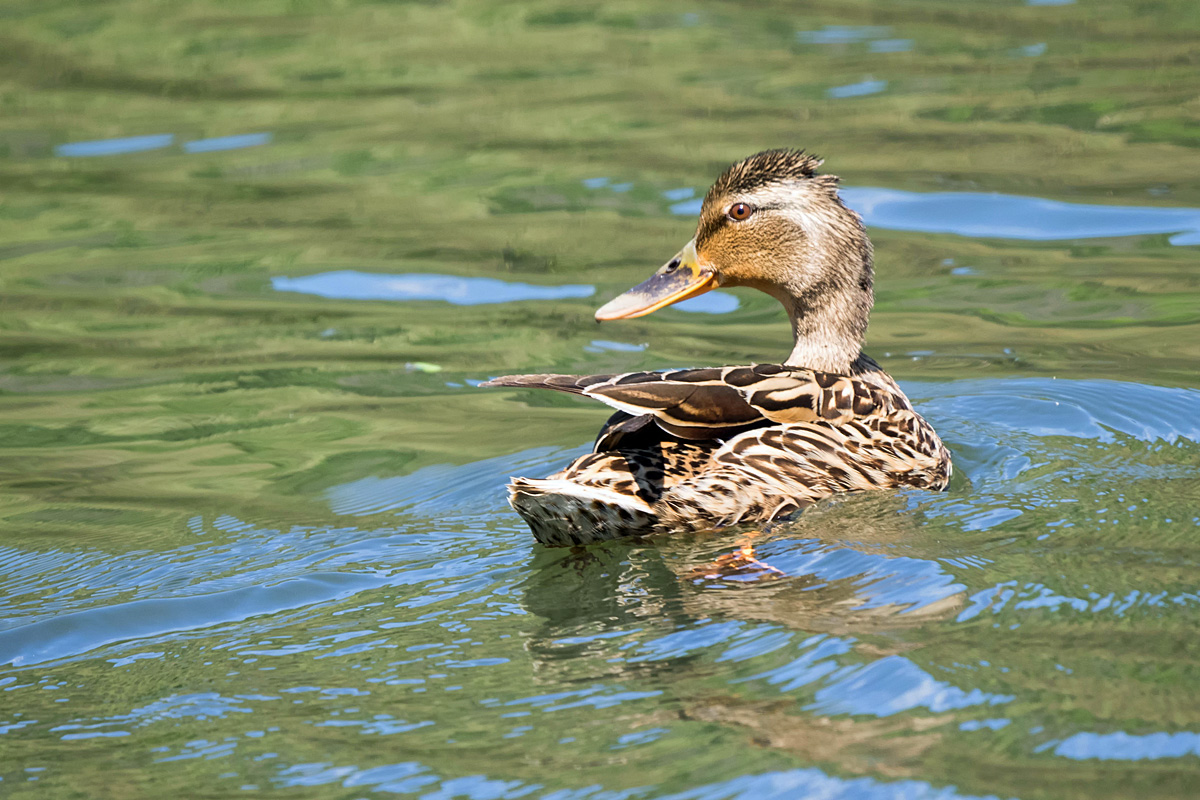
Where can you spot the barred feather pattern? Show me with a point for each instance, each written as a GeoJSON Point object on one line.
{"type": "Point", "coordinates": [793, 466]}
{"type": "Point", "coordinates": [700, 448]}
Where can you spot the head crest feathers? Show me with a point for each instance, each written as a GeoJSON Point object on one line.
{"type": "Point", "coordinates": [766, 168]}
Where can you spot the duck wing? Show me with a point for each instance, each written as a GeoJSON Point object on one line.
{"type": "Point", "coordinates": [717, 402]}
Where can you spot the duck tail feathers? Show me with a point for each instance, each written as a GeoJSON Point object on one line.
{"type": "Point", "coordinates": [562, 513]}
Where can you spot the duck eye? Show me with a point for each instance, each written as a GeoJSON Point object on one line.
{"type": "Point", "coordinates": [740, 211]}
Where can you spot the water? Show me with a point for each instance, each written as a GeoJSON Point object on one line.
{"type": "Point", "coordinates": [253, 532]}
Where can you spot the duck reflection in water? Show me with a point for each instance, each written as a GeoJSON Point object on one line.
{"type": "Point", "coordinates": [653, 613]}
{"type": "Point", "coordinates": [798, 576]}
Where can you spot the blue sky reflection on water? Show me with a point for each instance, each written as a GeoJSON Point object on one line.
{"type": "Point", "coordinates": [891, 46]}
{"type": "Point", "coordinates": [1002, 216]}
{"type": "Point", "coordinates": [603, 345]}
{"type": "Point", "coordinates": [860, 89]}
{"type": "Point", "coordinates": [843, 34]}
{"type": "Point", "coordinates": [894, 684]}
{"type": "Point", "coordinates": [353, 285]}
{"type": "Point", "coordinates": [227, 142]}
{"type": "Point", "coordinates": [112, 147]}
{"type": "Point", "coordinates": [1121, 746]}
{"type": "Point", "coordinates": [159, 141]}
{"type": "Point", "coordinates": [709, 303]}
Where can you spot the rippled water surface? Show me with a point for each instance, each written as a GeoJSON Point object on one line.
{"type": "Point", "coordinates": [255, 258]}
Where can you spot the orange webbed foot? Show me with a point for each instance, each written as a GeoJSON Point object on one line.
{"type": "Point", "coordinates": [742, 563]}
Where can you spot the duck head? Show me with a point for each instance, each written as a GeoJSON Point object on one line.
{"type": "Point", "coordinates": [772, 223]}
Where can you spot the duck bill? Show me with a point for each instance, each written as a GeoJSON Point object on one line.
{"type": "Point", "coordinates": [682, 277]}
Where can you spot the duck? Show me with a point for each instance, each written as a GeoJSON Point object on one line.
{"type": "Point", "coordinates": [708, 448]}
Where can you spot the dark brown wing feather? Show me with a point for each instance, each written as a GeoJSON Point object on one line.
{"type": "Point", "coordinates": [573, 384]}
{"type": "Point", "coordinates": [717, 402]}
{"type": "Point", "coordinates": [626, 430]}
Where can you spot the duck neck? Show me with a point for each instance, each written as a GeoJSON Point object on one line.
{"type": "Point", "coordinates": [829, 319]}
{"type": "Point", "coordinates": [823, 341]}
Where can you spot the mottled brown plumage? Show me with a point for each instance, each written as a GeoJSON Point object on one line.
{"type": "Point", "coordinates": [699, 448]}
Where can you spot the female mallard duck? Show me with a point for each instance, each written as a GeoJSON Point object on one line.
{"type": "Point", "coordinates": [704, 448]}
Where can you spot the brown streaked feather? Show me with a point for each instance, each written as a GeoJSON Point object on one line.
{"type": "Point", "coordinates": [730, 445]}
{"type": "Point", "coordinates": [715, 402]}
{"type": "Point", "coordinates": [573, 384]}
{"type": "Point", "coordinates": [767, 473]}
